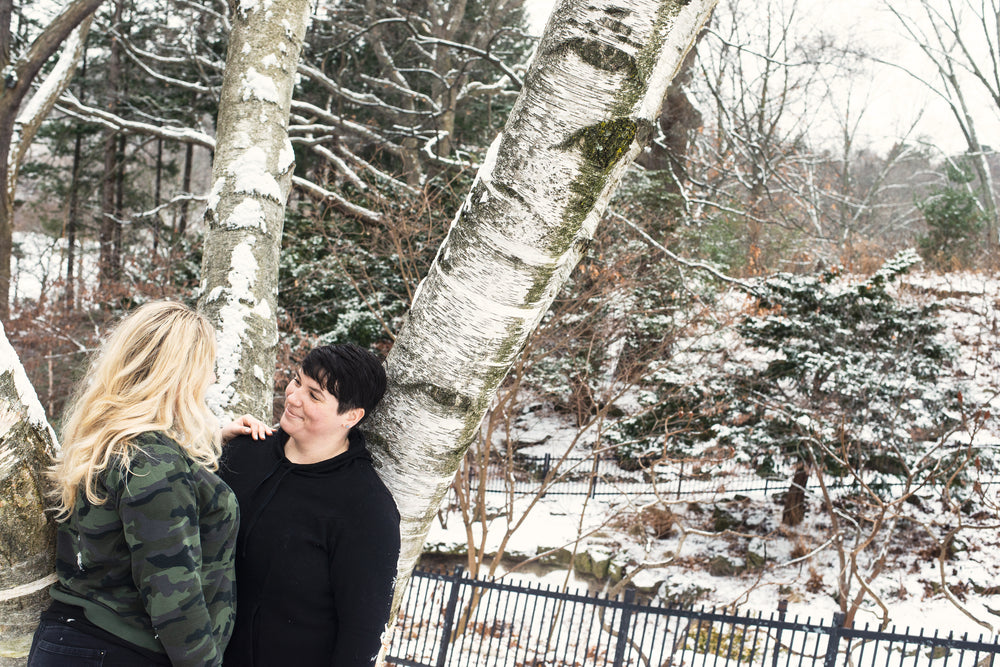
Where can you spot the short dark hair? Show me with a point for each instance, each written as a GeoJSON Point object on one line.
{"type": "Point", "coordinates": [350, 373]}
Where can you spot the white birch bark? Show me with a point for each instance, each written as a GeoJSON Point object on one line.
{"type": "Point", "coordinates": [27, 442]}
{"type": "Point", "coordinates": [27, 533]}
{"type": "Point", "coordinates": [587, 108]}
{"type": "Point", "coordinates": [35, 110]}
{"type": "Point", "coordinates": [252, 175]}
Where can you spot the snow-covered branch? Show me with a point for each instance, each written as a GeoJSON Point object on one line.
{"type": "Point", "coordinates": [70, 105]}
{"type": "Point", "coordinates": [701, 266]}
{"type": "Point", "coordinates": [343, 205]}
{"type": "Point", "coordinates": [35, 110]}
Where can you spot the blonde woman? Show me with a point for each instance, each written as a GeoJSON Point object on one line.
{"type": "Point", "coordinates": [146, 530]}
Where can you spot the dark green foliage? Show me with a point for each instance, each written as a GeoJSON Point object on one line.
{"type": "Point", "coordinates": [344, 280]}
{"type": "Point", "coordinates": [669, 406]}
{"type": "Point", "coordinates": [954, 220]}
{"type": "Point", "coordinates": [852, 377]}
{"type": "Point", "coordinates": [319, 286]}
{"type": "Point", "coordinates": [844, 375]}
{"type": "Point", "coordinates": [821, 330]}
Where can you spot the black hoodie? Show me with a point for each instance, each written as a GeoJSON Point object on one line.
{"type": "Point", "coordinates": [315, 557]}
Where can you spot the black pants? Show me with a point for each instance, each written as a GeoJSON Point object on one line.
{"type": "Point", "coordinates": [60, 645]}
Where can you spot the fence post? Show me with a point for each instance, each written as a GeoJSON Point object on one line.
{"type": "Point", "coordinates": [449, 616]}
{"type": "Point", "coordinates": [546, 466]}
{"type": "Point", "coordinates": [782, 608]}
{"type": "Point", "coordinates": [680, 479]}
{"type": "Point", "coordinates": [623, 628]}
{"type": "Point", "coordinates": [594, 469]}
{"type": "Point", "coordinates": [832, 644]}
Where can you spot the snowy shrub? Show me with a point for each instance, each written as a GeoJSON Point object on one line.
{"type": "Point", "coordinates": [335, 286]}
{"type": "Point", "coordinates": [671, 421]}
{"type": "Point", "coordinates": [854, 380]}
{"type": "Point", "coordinates": [842, 374]}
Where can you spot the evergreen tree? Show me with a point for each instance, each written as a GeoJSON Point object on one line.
{"type": "Point", "coordinates": [954, 217]}
{"type": "Point", "coordinates": [839, 374]}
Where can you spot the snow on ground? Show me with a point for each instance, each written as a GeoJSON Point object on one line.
{"type": "Point", "coordinates": [809, 584]}
{"type": "Point", "coordinates": [40, 260]}
{"type": "Point", "coordinates": [800, 565]}
{"type": "Point", "coordinates": [971, 310]}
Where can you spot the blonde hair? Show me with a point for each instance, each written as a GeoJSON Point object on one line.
{"type": "Point", "coordinates": [151, 374]}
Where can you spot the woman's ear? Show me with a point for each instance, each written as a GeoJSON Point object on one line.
{"type": "Point", "coordinates": [354, 415]}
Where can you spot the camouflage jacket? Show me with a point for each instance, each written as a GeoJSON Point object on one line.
{"type": "Point", "coordinates": [153, 564]}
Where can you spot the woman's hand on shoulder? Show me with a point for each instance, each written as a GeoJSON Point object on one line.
{"type": "Point", "coordinates": [246, 425]}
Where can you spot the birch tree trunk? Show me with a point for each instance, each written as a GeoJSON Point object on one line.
{"type": "Point", "coordinates": [586, 110]}
{"type": "Point", "coordinates": [252, 175]}
{"type": "Point", "coordinates": [27, 533]}
{"type": "Point", "coordinates": [27, 442]}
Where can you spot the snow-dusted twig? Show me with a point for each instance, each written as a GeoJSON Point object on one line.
{"type": "Point", "coordinates": [70, 105]}
{"type": "Point", "coordinates": [340, 202]}
{"type": "Point", "coordinates": [134, 54]}
{"type": "Point", "coordinates": [179, 199]}
{"type": "Point", "coordinates": [749, 288]}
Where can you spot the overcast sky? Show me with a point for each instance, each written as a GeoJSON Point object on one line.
{"type": "Point", "coordinates": [892, 100]}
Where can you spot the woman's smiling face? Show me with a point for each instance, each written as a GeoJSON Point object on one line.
{"type": "Point", "coordinates": [311, 412]}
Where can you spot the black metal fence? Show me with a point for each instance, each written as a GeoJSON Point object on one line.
{"type": "Point", "coordinates": [580, 476]}
{"type": "Point", "coordinates": [452, 620]}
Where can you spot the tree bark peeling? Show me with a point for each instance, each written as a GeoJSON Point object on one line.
{"type": "Point", "coordinates": [27, 533]}
{"type": "Point", "coordinates": [585, 112]}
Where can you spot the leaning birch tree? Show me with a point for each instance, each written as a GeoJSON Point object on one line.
{"type": "Point", "coordinates": [27, 534]}
{"type": "Point", "coordinates": [252, 175]}
{"type": "Point", "coordinates": [586, 110]}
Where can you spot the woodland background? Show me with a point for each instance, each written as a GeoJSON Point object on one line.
{"type": "Point", "coordinates": [395, 106]}
{"type": "Point", "coordinates": [757, 182]}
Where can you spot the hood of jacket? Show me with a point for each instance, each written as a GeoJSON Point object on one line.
{"type": "Point", "coordinates": [356, 450]}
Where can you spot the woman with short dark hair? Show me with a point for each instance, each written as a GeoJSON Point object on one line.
{"type": "Point", "coordinates": [317, 549]}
